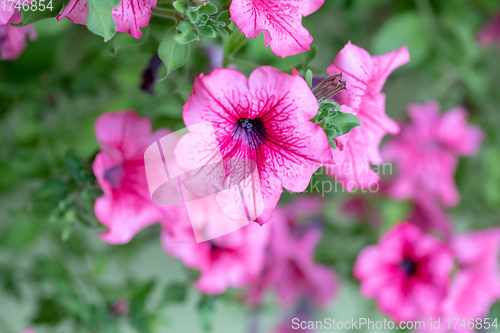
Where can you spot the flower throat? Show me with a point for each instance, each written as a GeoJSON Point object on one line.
{"type": "Point", "coordinates": [252, 131]}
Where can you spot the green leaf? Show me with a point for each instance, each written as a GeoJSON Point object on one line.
{"type": "Point", "coordinates": [309, 77]}
{"type": "Point", "coordinates": [209, 9]}
{"type": "Point", "coordinates": [174, 293]}
{"type": "Point", "coordinates": [40, 10]}
{"type": "Point", "coordinates": [224, 31]}
{"type": "Point", "coordinates": [206, 308]}
{"type": "Point", "coordinates": [193, 16]}
{"type": "Point", "coordinates": [343, 122]}
{"type": "Point", "coordinates": [207, 31]}
{"type": "Point", "coordinates": [404, 29]}
{"type": "Point", "coordinates": [100, 21]}
{"type": "Point", "coordinates": [180, 6]}
{"type": "Point", "coordinates": [173, 54]}
{"type": "Point", "coordinates": [48, 313]}
{"type": "Point", "coordinates": [187, 35]}
{"type": "Point", "coordinates": [331, 106]}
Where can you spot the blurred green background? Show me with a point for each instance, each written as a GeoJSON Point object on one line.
{"type": "Point", "coordinates": [57, 276]}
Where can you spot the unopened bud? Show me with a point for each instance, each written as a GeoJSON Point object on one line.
{"type": "Point", "coordinates": [329, 87]}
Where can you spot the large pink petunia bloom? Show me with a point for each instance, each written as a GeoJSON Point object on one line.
{"type": "Point", "coordinates": [129, 16]}
{"type": "Point", "coordinates": [13, 39]}
{"type": "Point", "coordinates": [126, 206]}
{"type": "Point", "coordinates": [407, 273]}
{"type": "Point", "coordinates": [426, 152]}
{"type": "Point", "coordinates": [280, 20]}
{"type": "Point", "coordinates": [290, 270]}
{"type": "Point", "coordinates": [263, 119]}
{"type": "Point", "coordinates": [490, 32]}
{"type": "Point", "coordinates": [233, 260]}
{"type": "Point", "coordinates": [365, 77]}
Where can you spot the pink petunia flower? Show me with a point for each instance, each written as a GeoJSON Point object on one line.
{"type": "Point", "coordinates": [130, 15]}
{"type": "Point", "coordinates": [13, 39]}
{"type": "Point", "coordinates": [126, 206]}
{"type": "Point", "coordinates": [365, 76]}
{"type": "Point", "coordinates": [476, 283]}
{"type": "Point", "coordinates": [407, 273]}
{"type": "Point", "coordinates": [233, 260]}
{"type": "Point", "coordinates": [280, 20]}
{"type": "Point", "coordinates": [426, 152]}
{"type": "Point", "coordinates": [263, 119]}
{"type": "Point", "coordinates": [290, 269]}
{"type": "Point", "coordinates": [490, 32]}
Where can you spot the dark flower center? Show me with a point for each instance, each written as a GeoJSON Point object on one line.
{"type": "Point", "coordinates": [408, 266]}
{"type": "Point", "coordinates": [114, 175]}
{"type": "Point", "coordinates": [252, 131]}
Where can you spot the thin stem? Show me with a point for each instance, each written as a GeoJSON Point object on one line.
{"type": "Point", "coordinates": [243, 63]}
{"type": "Point", "coordinates": [167, 13]}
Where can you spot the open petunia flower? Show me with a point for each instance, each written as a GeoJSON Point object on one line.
{"type": "Point", "coordinates": [129, 16]}
{"type": "Point", "coordinates": [365, 76]}
{"type": "Point", "coordinates": [280, 20]}
{"type": "Point", "coordinates": [426, 152]}
{"type": "Point", "coordinates": [290, 269]}
{"type": "Point", "coordinates": [407, 273]}
{"type": "Point", "coordinates": [263, 119]}
{"type": "Point", "coordinates": [13, 39]}
{"type": "Point", "coordinates": [126, 206]}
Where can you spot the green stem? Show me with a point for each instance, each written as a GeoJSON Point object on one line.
{"type": "Point", "coordinates": [167, 13]}
{"type": "Point", "coordinates": [159, 2]}
{"type": "Point", "coordinates": [240, 62]}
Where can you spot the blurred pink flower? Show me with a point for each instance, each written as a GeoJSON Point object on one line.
{"type": "Point", "coordinates": [290, 269]}
{"type": "Point", "coordinates": [29, 330]}
{"type": "Point", "coordinates": [129, 15]}
{"type": "Point", "coordinates": [280, 20]}
{"type": "Point", "coordinates": [426, 152]}
{"type": "Point", "coordinates": [430, 216]}
{"type": "Point", "coordinates": [407, 273]}
{"type": "Point", "coordinates": [365, 76]}
{"type": "Point", "coordinates": [263, 118]}
{"type": "Point", "coordinates": [13, 39]}
{"type": "Point", "coordinates": [233, 260]}
{"type": "Point", "coordinates": [490, 32]}
{"type": "Point", "coordinates": [476, 285]}
{"type": "Point", "coordinates": [126, 206]}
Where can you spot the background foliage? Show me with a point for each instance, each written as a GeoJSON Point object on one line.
{"type": "Point", "coordinates": [57, 276]}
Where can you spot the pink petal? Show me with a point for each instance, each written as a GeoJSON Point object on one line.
{"type": "Point", "coordinates": [279, 20]}
{"type": "Point", "coordinates": [131, 15]}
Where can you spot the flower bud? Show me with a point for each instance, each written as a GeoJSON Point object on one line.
{"type": "Point", "coordinates": [329, 87]}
